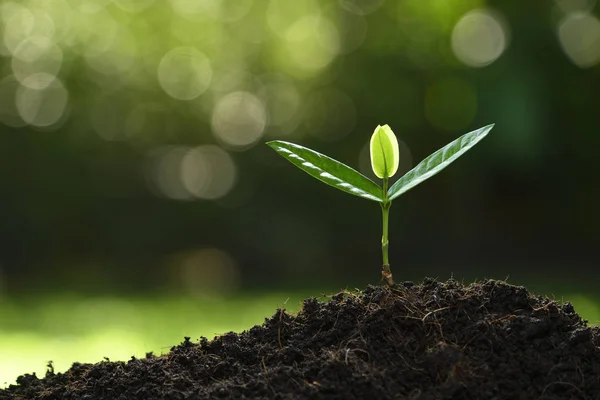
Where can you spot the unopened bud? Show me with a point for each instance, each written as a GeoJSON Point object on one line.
{"type": "Point", "coordinates": [384, 152]}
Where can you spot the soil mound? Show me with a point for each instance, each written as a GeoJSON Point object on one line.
{"type": "Point", "coordinates": [435, 340]}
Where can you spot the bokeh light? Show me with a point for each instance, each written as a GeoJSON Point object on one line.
{"type": "Point", "coordinates": [184, 73]}
{"type": "Point", "coordinates": [36, 62]}
{"type": "Point", "coordinates": [208, 172]}
{"type": "Point", "coordinates": [164, 172]}
{"type": "Point", "coordinates": [579, 36]}
{"type": "Point", "coordinates": [479, 38]}
{"type": "Point", "coordinates": [184, 173]}
{"type": "Point", "coordinates": [239, 120]}
{"type": "Point", "coordinates": [312, 43]}
{"type": "Point", "coordinates": [42, 107]}
{"type": "Point", "coordinates": [21, 23]}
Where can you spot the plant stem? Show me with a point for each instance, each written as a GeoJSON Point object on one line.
{"type": "Point", "coordinates": [386, 272]}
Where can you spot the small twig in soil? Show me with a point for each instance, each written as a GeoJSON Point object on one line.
{"type": "Point", "coordinates": [279, 328]}
{"type": "Point", "coordinates": [433, 312]}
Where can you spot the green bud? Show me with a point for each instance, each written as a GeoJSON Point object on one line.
{"type": "Point", "coordinates": [384, 152]}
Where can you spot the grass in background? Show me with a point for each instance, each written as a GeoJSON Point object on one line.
{"type": "Point", "coordinates": [69, 329]}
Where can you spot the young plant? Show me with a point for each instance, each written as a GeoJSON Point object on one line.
{"type": "Point", "coordinates": [384, 161]}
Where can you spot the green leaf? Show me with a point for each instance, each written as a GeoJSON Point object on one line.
{"type": "Point", "coordinates": [328, 170]}
{"type": "Point", "coordinates": [437, 161]}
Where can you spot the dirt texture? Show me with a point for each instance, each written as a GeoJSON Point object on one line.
{"type": "Point", "coordinates": [435, 340]}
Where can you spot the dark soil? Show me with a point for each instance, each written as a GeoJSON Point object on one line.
{"type": "Point", "coordinates": [436, 340]}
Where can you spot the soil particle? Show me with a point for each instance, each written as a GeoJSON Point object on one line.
{"type": "Point", "coordinates": [435, 340]}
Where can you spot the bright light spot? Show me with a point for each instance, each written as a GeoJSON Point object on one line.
{"type": "Point", "coordinates": [579, 36]}
{"type": "Point", "coordinates": [312, 42]}
{"type": "Point", "coordinates": [184, 73]}
{"type": "Point", "coordinates": [36, 61]}
{"type": "Point", "coordinates": [281, 98]}
{"type": "Point", "coordinates": [133, 6]}
{"type": "Point", "coordinates": [361, 7]}
{"type": "Point", "coordinates": [479, 38]}
{"type": "Point", "coordinates": [450, 104]}
{"type": "Point", "coordinates": [22, 23]}
{"type": "Point", "coordinates": [239, 119]}
{"type": "Point", "coordinates": [330, 114]}
{"type": "Point", "coordinates": [208, 172]}
{"type": "Point", "coordinates": [9, 115]}
{"type": "Point", "coordinates": [569, 6]}
{"type": "Point", "coordinates": [43, 107]}
{"type": "Point", "coordinates": [208, 272]}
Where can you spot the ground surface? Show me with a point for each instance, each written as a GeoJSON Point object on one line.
{"type": "Point", "coordinates": [436, 340]}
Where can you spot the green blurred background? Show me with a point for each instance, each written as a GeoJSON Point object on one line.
{"type": "Point", "coordinates": [139, 204]}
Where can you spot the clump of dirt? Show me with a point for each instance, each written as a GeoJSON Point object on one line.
{"type": "Point", "coordinates": [435, 340]}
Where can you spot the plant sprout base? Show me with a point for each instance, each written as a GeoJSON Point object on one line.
{"type": "Point", "coordinates": [384, 161]}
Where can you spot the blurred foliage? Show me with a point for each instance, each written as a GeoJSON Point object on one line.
{"type": "Point", "coordinates": [132, 156]}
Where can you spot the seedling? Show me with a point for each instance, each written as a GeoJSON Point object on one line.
{"type": "Point", "coordinates": [384, 161]}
